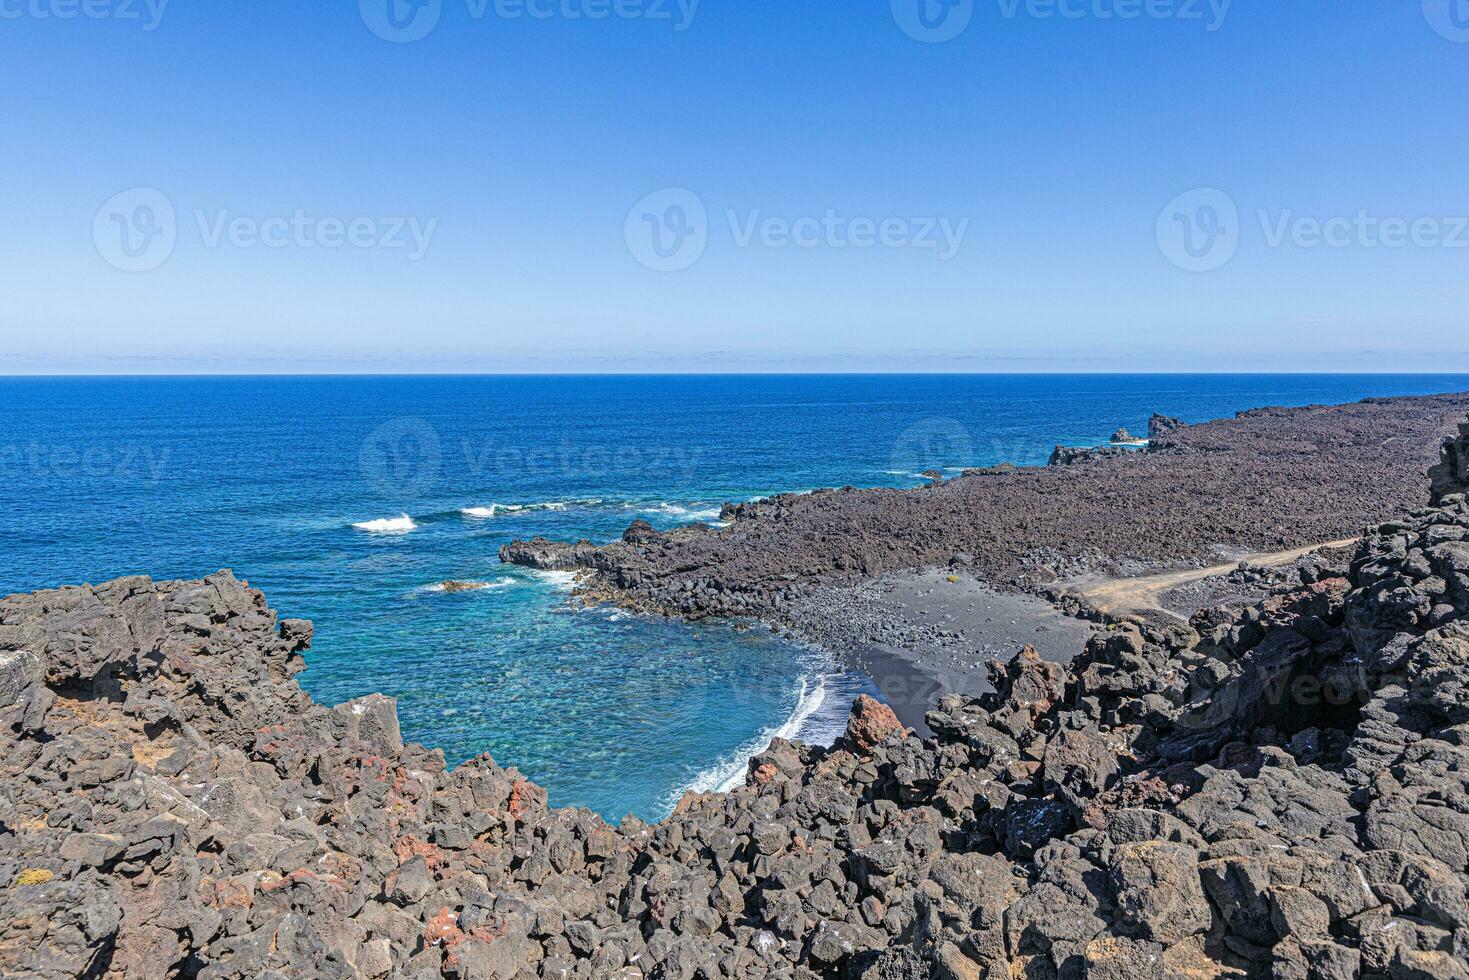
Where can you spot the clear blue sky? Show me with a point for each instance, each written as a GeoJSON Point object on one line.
{"type": "Point", "coordinates": [521, 147]}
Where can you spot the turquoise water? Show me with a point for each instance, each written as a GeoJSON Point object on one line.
{"type": "Point", "coordinates": [269, 476]}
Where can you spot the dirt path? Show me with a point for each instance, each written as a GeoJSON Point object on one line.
{"type": "Point", "coordinates": [1119, 595]}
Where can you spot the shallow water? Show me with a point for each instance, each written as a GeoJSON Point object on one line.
{"type": "Point", "coordinates": [349, 499]}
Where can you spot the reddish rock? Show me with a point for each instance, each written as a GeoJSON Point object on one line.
{"type": "Point", "coordinates": [408, 846]}
{"type": "Point", "coordinates": [870, 724]}
{"type": "Point", "coordinates": [442, 927]}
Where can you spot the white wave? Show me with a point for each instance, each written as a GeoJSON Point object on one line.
{"type": "Point", "coordinates": [495, 510]}
{"type": "Point", "coordinates": [459, 585]}
{"type": "Point", "coordinates": [729, 773]}
{"type": "Point", "coordinates": [561, 580]}
{"type": "Point", "coordinates": [695, 512]}
{"type": "Point", "coordinates": [388, 525]}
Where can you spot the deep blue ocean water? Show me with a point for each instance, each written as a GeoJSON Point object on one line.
{"type": "Point", "coordinates": [178, 477]}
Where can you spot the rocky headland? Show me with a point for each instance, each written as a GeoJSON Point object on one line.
{"type": "Point", "coordinates": [1267, 480]}
{"type": "Point", "coordinates": [1273, 788]}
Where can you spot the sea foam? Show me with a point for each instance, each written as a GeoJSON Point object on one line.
{"type": "Point", "coordinates": [468, 586]}
{"type": "Point", "coordinates": [729, 773]}
{"type": "Point", "coordinates": [496, 510]}
{"type": "Point", "coordinates": [388, 525]}
{"type": "Point", "coordinates": [691, 513]}
{"type": "Point", "coordinates": [560, 579]}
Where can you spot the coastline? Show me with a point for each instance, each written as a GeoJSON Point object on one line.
{"type": "Point", "coordinates": [919, 635]}
{"type": "Point", "coordinates": [903, 603]}
{"type": "Point", "coordinates": [217, 816]}
{"type": "Point", "coordinates": [1266, 480]}
{"type": "Point", "coordinates": [177, 800]}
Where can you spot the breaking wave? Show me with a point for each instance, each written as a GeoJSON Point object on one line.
{"type": "Point", "coordinates": [388, 525]}
{"type": "Point", "coordinates": [729, 772]}
{"type": "Point", "coordinates": [690, 513]}
{"type": "Point", "coordinates": [561, 580]}
{"type": "Point", "coordinates": [496, 510]}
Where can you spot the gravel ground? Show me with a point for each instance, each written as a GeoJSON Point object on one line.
{"type": "Point", "coordinates": [919, 635]}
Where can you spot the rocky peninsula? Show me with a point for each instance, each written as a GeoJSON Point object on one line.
{"type": "Point", "coordinates": [1270, 788]}
{"type": "Point", "coordinates": [1267, 480]}
{"type": "Point", "coordinates": [918, 588]}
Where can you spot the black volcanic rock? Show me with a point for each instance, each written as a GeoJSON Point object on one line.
{"type": "Point", "coordinates": [1070, 455]}
{"type": "Point", "coordinates": [1160, 425]}
{"type": "Point", "coordinates": [547, 555]}
{"type": "Point", "coordinates": [1272, 789]}
{"type": "Point", "coordinates": [1266, 481]}
{"type": "Point", "coordinates": [1451, 475]}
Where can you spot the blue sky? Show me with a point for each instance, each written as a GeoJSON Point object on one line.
{"type": "Point", "coordinates": [1013, 198]}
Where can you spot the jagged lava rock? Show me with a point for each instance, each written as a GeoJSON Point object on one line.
{"type": "Point", "coordinates": [1276, 788]}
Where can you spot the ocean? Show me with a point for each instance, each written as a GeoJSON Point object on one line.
{"type": "Point", "coordinates": [349, 500]}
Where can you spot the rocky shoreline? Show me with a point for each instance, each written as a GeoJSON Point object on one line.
{"type": "Point", "coordinates": [826, 568]}
{"type": "Point", "coordinates": [1276, 788]}
{"type": "Point", "coordinates": [1267, 480]}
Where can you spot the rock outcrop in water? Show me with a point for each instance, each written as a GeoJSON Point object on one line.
{"type": "Point", "coordinates": [1279, 789]}
{"type": "Point", "coordinates": [1160, 425]}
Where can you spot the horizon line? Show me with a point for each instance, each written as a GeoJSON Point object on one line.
{"type": "Point", "coordinates": [571, 373]}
